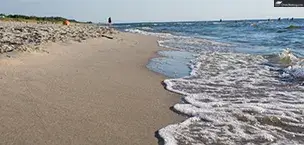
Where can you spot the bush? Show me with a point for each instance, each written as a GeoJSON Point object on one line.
{"type": "Point", "coordinates": [35, 18]}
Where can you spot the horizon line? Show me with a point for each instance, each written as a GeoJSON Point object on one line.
{"type": "Point", "coordinates": [170, 21]}
{"type": "Point", "coordinates": [185, 21]}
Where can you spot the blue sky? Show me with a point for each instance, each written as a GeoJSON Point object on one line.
{"type": "Point", "coordinates": [149, 10]}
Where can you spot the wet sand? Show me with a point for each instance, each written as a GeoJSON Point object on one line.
{"type": "Point", "coordinates": [95, 92]}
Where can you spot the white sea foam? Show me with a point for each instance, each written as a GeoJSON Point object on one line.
{"type": "Point", "coordinates": [161, 35]}
{"type": "Point", "coordinates": [146, 28]}
{"type": "Point", "coordinates": [288, 57]}
{"type": "Point", "coordinates": [191, 44]}
{"type": "Point", "coordinates": [217, 23]}
{"type": "Point", "coordinates": [183, 23]}
{"type": "Point", "coordinates": [232, 99]}
{"type": "Point", "coordinates": [296, 65]}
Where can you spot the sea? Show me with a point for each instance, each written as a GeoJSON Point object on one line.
{"type": "Point", "coordinates": [241, 82]}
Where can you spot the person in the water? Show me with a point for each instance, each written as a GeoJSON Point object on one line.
{"type": "Point", "coordinates": [221, 20]}
{"type": "Point", "coordinates": [279, 19]}
{"type": "Point", "coordinates": [291, 19]}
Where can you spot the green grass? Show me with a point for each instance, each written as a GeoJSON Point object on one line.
{"type": "Point", "coordinates": [35, 19]}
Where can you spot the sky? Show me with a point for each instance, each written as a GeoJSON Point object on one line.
{"type": "Point", "coordinates": [150, 10]}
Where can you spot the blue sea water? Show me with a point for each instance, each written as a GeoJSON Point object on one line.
{"type": "Point", "coordinates": [242, 82]}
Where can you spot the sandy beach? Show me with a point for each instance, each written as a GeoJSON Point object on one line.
{"type": "Point", "coordinates": [95, 92]}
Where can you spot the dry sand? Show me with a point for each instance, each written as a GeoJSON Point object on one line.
{"type": "Point", "coordinates": [18, 36]}
{"type": "Point", "coordinates": [97, 92]}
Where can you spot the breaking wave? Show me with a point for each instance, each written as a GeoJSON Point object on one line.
{"type": "Point", "coordinates": [232, 98]}
{"type": "Point", "coordinates": [185, 43]}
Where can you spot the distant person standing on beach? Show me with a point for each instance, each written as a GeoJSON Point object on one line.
{"type": "Point", "coordinates": [110, 21]}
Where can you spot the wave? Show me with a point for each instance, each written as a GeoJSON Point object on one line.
{"type": "Point", "coordinates": [236, 98]}
{"type": "Point", "coordinates": [187, 43]}
{"type": "Point", "coordinates": [183, 23]}
{"type": "Point", "coordinates": [161, 35]}
{"type": "Point", "coordinates": [287, 57]}
{"type": "Point", "coordinates": [290, 27]}
{"type": "Point", "coordinates": [146, 28]}
{"type": "Point", "coordinates": [232, 99]}
{"type": "Point", "coordinates": [293, 27]}
{"type": "Point", "coordinates": [217, 23]}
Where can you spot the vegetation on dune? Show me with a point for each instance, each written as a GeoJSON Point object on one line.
{"type": "Point", "coordinates": [24, 18]}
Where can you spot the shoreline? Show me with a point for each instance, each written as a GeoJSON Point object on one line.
{"type": "Point", "coordinates": [104, 94]}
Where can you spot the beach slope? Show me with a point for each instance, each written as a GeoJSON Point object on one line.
{"type": "Point", "coordinates": [95, 92]}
